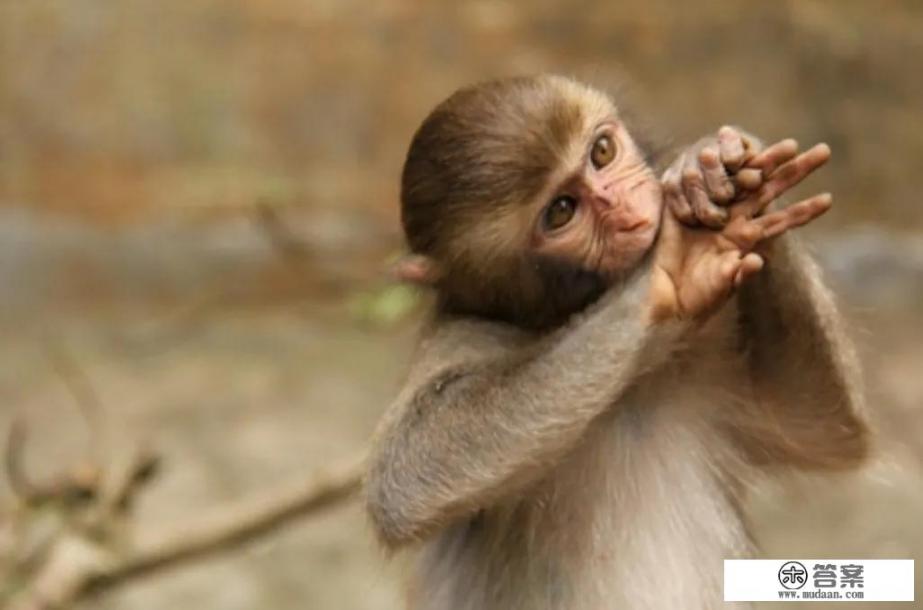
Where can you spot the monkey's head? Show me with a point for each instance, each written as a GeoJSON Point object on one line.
{"type": "Point", "coordinates": [523, 199]}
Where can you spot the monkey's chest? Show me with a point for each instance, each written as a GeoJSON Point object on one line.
{"type": "Point", "coordinates": [637, 517]}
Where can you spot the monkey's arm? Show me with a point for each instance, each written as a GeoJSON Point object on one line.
{"type": "Point", "coordinates": [479, 419]}
{"type": "Point", "coordinates": [806, 408]}
{"type": "Point", "coordinates": [809, 407]}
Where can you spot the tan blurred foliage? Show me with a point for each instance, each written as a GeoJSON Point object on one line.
{"type": "Point", "coordinates": [123, 110]}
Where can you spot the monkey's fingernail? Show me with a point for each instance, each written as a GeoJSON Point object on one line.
{"type": "Point", "coordinates": [823, 150]}
{"type": "Point", "coordinates": [709, 157]}
{"type": "Point", "coordinates": [754, 261]}
{"type": "Point", "coordinates": [824, 201]}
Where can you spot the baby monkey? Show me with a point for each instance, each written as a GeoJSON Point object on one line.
{"type": "Point", "coordinates": [611, 360]}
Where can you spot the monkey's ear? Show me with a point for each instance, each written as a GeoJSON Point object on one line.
{"type": "Point", "coordinates": [416, 269]}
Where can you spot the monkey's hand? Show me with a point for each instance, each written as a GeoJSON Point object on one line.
{"type": "Point", "coordinates": [711, 174]}
{"type": "Point", "coordinates": [695, 270]}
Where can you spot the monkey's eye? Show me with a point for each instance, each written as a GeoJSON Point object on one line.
{"type": "Point", "coordinates": [559, 212]}
{"type": "Point", "coordinates": [603, 152]}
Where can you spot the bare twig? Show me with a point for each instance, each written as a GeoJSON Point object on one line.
{"type": "Point", "coordinates": [79, 484]}
{"type": "Point", "coordinates": [80, 386]}
{"type": "Point", "coordinates": [80, 571]}
{"type": "Point", "coordinates": [290, 246]}
{"type": "Point", "coordinates": [304, 257]}
{"type": "Point", "coordinates": [15, 472]}
{"type": "Point", "coordinates": [229, 527]}
{"type": "Point", "coordinates": [143, 467]}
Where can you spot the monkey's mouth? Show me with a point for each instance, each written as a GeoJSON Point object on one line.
{"type": "Point", "coordinates": [627, 226]}
{"type": "Point", "coordinates": [635, 225]}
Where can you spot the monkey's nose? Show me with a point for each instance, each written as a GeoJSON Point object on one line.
{"type": "Point", "coordinates": [605, 201]}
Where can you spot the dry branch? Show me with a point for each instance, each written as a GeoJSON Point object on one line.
{"type": "Point", "coordinates": [84, 557]}
{"type": "Point", "coordinates": [229, 527]}
{"type": "Point", "coordinates": [79, 484]}
{"type": "Point", "coordinates": [79, 567]}
{"type": "Point", "coordinates": [283, 239]}
{"type": "Point", "coordinates": [80, 386]}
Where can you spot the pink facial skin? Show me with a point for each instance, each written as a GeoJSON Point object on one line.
{"type": "Point", "coordinates": [617, 215]}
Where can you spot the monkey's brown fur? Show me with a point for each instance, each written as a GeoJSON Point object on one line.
{"type": "Point", "coordinates": [490, 148]}
{"type": "Point", "coordinates": [595, 463]}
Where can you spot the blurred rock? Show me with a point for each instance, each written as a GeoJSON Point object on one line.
{"type": "Point", "coordinates": [875, 267]}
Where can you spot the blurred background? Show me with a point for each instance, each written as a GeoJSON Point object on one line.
{"type": "Point", "coordinates": [198, 200]}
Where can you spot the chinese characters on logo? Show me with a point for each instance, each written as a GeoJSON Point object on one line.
{"type": "Point", "coordinates": [850, 575]}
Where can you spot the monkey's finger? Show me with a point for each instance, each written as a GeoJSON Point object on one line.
{"type": "Point", "coordinates": [711, 282]}
{"type": "Point", "coordinates": [787, 176]}
{"type": "Point", "coordinates": [748, 179]}
{"type": "Point", "coordinates": [743, 233]}
{"type": "Point", "coordinates": [729, 267]}
{"type": "Point", "coordinates": [750, 265]}
{"type": "Point", "coordinates": [720, 188]}
{"type": "Point", "coordinates": [795, 215]}
{"type": "Point", "coordinates": [731, 146]}
{"type": "Point", "coordinates": [680, 208]}
{"type": "Point", "coordinates": [670, 248]}
{"type": "Point", "coordinates": [774, 156]}
{"type": "Point", "coordinates": [752, 147]}
{"type": "Point", "coordinates": [705, 210]}
{"type": "Point", "coordinates": [673, 194]}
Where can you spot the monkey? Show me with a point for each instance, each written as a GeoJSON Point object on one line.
{"type": "Point", "coordinates": [612, 357]}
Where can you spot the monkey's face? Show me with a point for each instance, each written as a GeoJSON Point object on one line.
{"type": "Point", "coordinates": [525, 198]}
{"type": "Point", "coordinates": [603, 211]}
